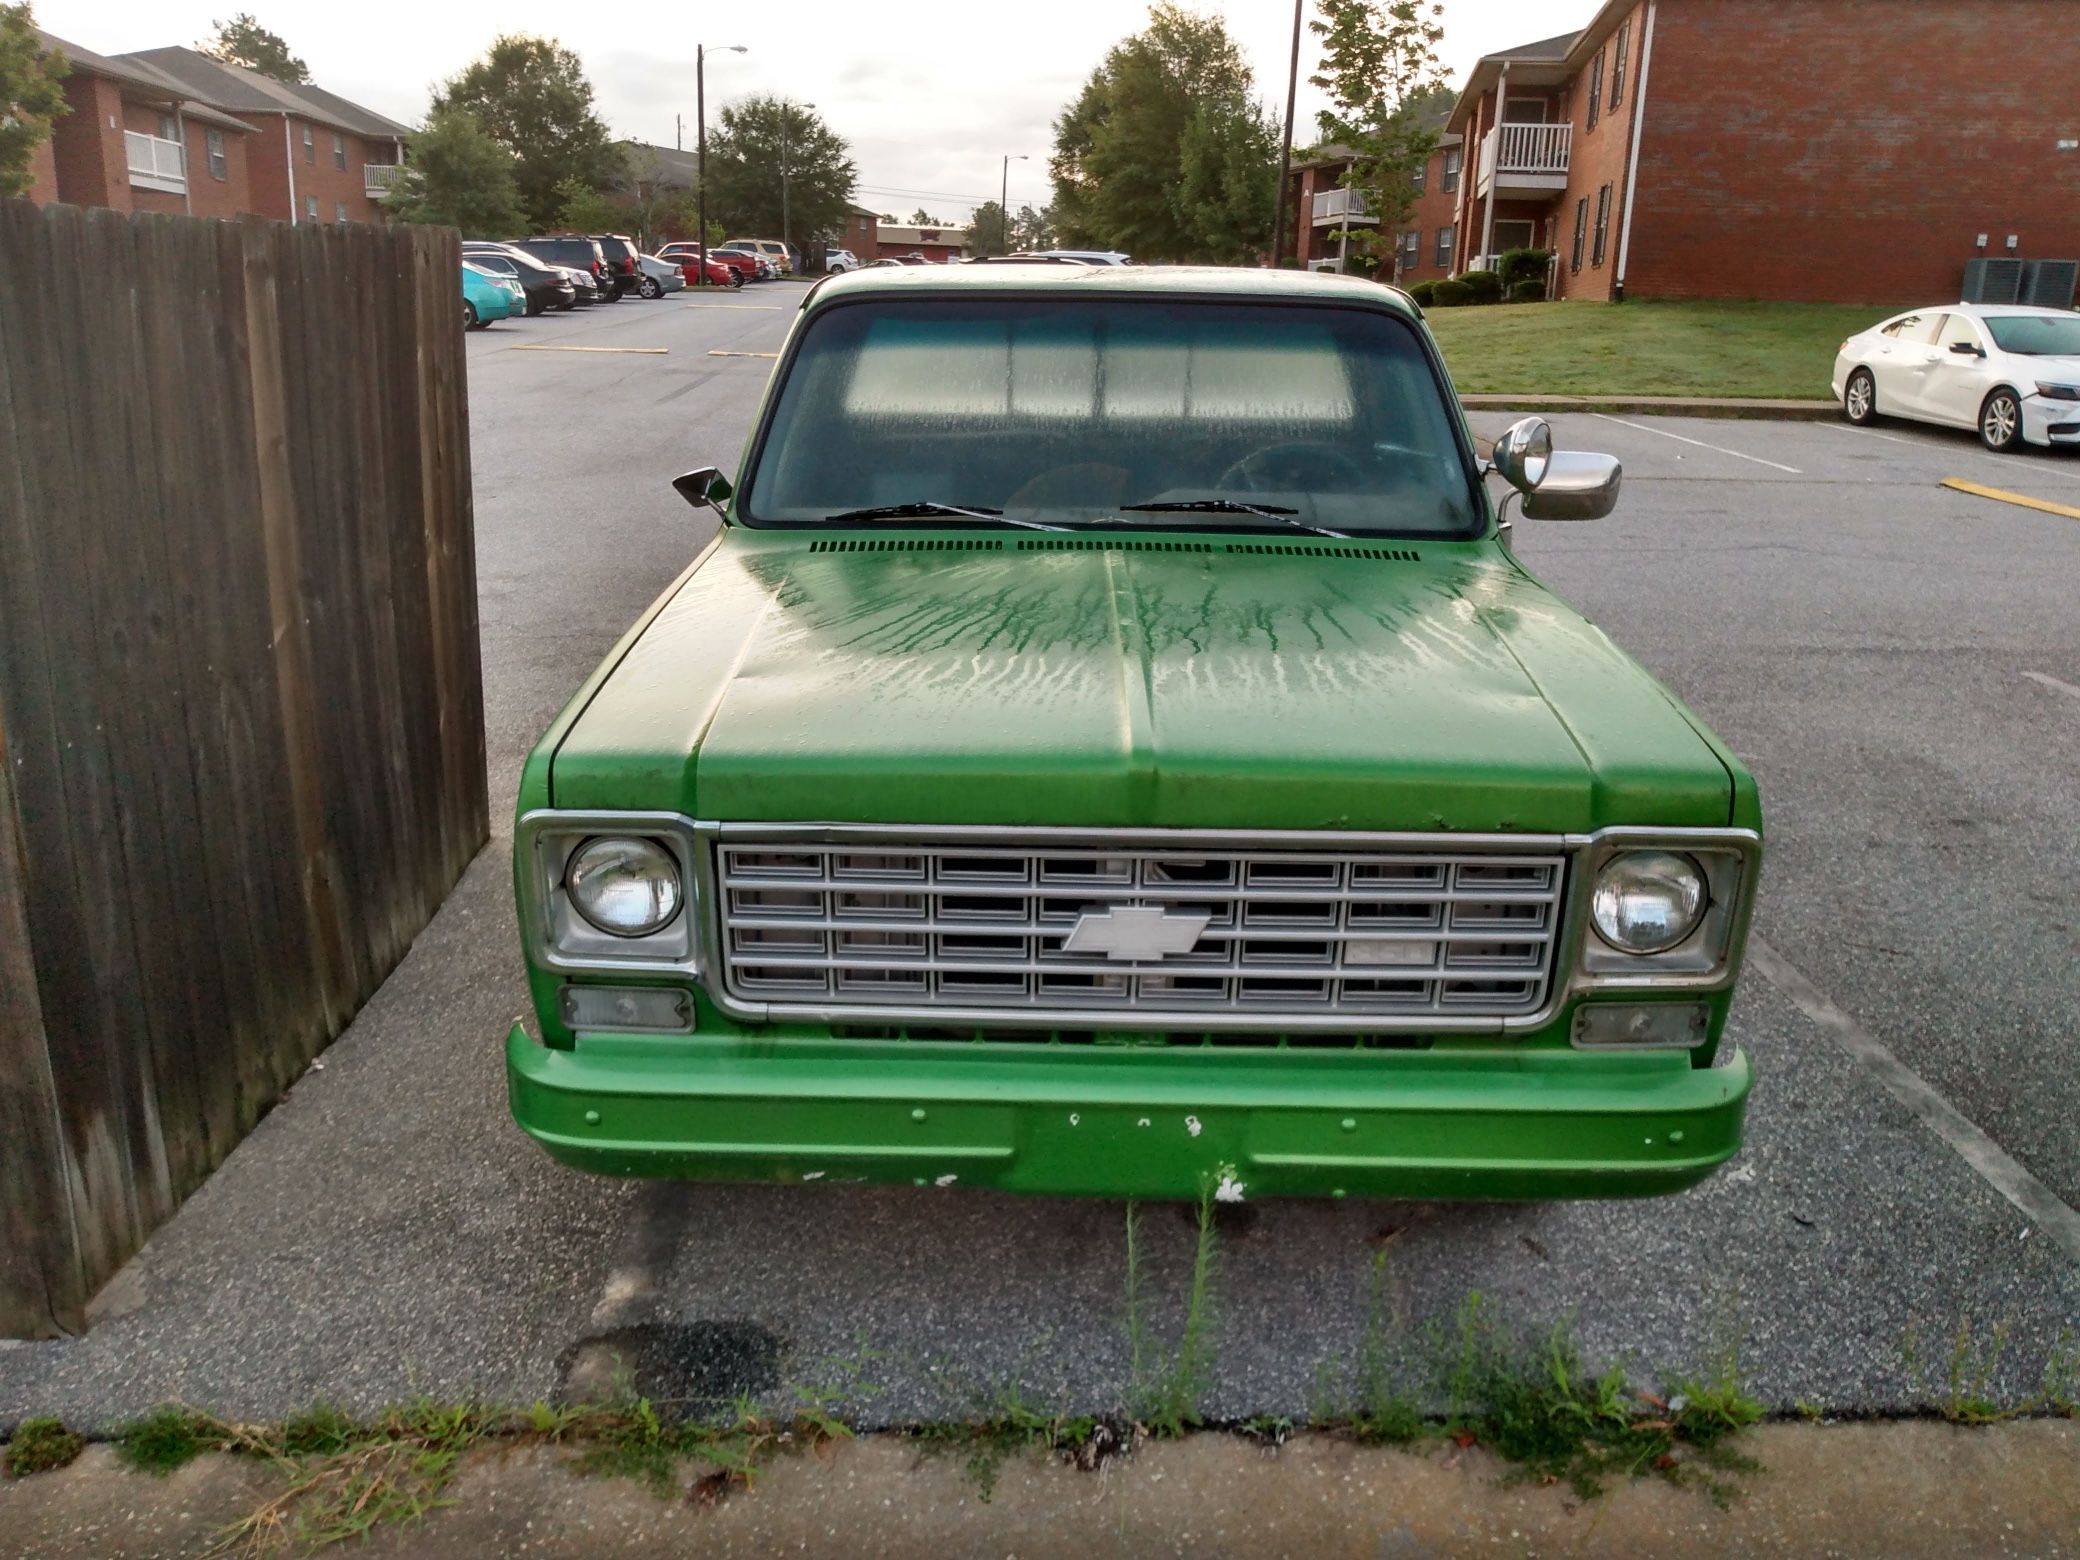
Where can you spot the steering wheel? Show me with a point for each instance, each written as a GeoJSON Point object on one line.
{"type": "Point", "coordinates": [1284, 468]}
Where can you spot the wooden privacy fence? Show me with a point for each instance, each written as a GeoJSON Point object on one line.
{"type": "Point", "coordinates": [240, 704]}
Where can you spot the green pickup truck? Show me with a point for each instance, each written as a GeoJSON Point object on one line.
{"type": "Point", "coordinates": [1110, 748]}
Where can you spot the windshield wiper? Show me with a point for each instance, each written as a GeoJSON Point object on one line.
{"type": "Point", "coordinates": [1233, 506]}
{"type": "Point", "coordinates": [922, 508]}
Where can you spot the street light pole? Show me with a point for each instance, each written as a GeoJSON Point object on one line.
{"type": "Point", "coordinates": [1285, 146]}
{"type": "Point", "coordinates": [1004, 194]}
{"type": "Point", "coordinates": [700, 143]}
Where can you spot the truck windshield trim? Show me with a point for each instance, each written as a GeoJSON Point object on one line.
{"type": "Point", "coordinates": [1067, 411]}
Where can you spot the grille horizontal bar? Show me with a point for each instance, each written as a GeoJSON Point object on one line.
{"type": "Point", "coordinates": [915, 924]}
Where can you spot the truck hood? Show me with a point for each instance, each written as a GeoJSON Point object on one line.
{"type": "Point", "coordinates": [1247, 683]}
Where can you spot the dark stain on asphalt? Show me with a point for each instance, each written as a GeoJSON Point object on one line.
{"type": "Point", "coordinates": [685, 1368]}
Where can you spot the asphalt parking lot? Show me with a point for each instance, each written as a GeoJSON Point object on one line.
{"type": "Point", "coordinates": [1898, 661]}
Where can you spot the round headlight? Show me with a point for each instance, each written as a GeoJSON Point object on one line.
{"type": "Point", "coordinates": [1648, 901]}
{"type": "Point", "coordinates": [628, 888]}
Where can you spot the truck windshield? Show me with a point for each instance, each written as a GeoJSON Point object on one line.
{"type": "Point", "coordinates": [1095, 411]}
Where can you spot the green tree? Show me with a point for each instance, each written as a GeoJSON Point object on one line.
{"type": "Point", "coordinates": [922, 218]}
{"type": "Point", "coordinates": [32, 95]}
{"type": "Point", "coordinates": [988, 232]}
{"type": "Point", "coordinates": [243, 41]}
{"type": "Point", "coordinates": [1154, 154]}
{"type": "Point", "coordinates": [1228, 184]}
{"type": "Point", "coordinates": [459, 177]}
{"type": "Point", "coordinates": [582, 209]}
{"type": "Point", "coordinates": [1381, 71]}
{"type": "Point", "coordinates": [776, 169]}
{"type": "Point", "coordinates": [659, 205]}
{"type": "Point", "coordinates": [1031, 230]}
{"type": "Point", "coordinates": [532, 97]}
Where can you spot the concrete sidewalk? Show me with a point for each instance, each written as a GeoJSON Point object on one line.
{"type": "Point", "coordinates": [1659, 405]}
{"type": "Point", "coordinates": [1887, 1491]}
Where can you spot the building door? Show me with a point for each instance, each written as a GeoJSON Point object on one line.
{"type": "Point", "coordinates": [1524, 111]}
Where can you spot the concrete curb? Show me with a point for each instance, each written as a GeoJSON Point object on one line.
{"type": "Point", "coordinates": [1658, 405]}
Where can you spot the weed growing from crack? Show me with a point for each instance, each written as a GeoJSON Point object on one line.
{"type": "Point", "coordinates": [1005, 1425]}
{"type": "Point", "coordinates": [1166, 1395]}
{"type": "Point", "coordinates": [1387, 1412]}
{"type": "Point", "coordinates": [169, 1438]}
{"type": "Point", "coordinates": [1964, 1396]}
{"type": "Point", "coordinates": [40, 1445]}
{"type": "Point", "coordinates": [2060, 1392]}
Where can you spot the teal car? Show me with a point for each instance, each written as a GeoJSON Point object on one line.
{"type": "Point", "coordinates": [487, 296]}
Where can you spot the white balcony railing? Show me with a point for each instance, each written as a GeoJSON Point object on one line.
{"type": "Point", "coordinates": [156, 163]}
{"type": "Point", "coordinates": [1341, 208]}
{"type": "Point", "coordinates": [1535, 150]}
{"type": "Point", "coordinates": [377, 179]}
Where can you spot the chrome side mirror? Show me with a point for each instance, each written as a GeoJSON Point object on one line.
{"type": "Point", "coordinates": [1521, 454]}
{"type": "Point", "coordinates": [704, 487]}
{"type": "Point", "coordinates": [1577, 486]}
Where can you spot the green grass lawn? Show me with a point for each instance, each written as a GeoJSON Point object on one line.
{"type": "Point", "coordinates": [1775, 350]}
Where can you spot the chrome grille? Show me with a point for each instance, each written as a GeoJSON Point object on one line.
{"type": "Point", "coordinates": [1343, 934]}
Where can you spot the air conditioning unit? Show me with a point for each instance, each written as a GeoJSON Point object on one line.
{"type": "Point", "coordinates": [1992, 281]}
{"type": "Point", "coordinates": [2049, 284]}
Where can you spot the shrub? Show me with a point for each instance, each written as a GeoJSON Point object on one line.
{"type": "Point", "coordinates": [1424, 293]}
{"type": "Point", "coordinates": [1523, 265]}
{"type": "Point", "coordinates": [1530, 290]}
{"type": "Point", "coordinates": [1481, 286]}
{"type": "Point", "coordinates": [1450, 294]}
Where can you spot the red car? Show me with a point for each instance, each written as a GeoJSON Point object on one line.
{"type": "Point", "coordinates": [741, 266]}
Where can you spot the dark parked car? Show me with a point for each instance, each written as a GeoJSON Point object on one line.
{"type": "Point", "coordinates": [576, 251]}
{"type": "Point", "coordinates": [547, 286]}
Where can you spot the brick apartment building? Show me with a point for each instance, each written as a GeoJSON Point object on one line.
{"type": "Point", "coordinates": [1323, 216]}
{"type": "Point", "coordinates": [174, 130]}
{"type": "Point", "coordinates": [1778, 149]}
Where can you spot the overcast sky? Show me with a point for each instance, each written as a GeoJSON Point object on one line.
{"type": "Point", "coordinates": [931, 93]}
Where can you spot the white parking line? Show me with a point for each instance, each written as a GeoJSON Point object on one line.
{"type": "Point", "coordinates": [1964, 446]}
{"type": "Point", "coordinates": [2053, 683]}
{"type": "Point", "coordinates": [2037, 1202]}
{"type": "Point", "coordinates": [1686, 439]}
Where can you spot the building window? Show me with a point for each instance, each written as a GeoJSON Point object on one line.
{"type": "Point", "coordinates": [310, 208]}
{"type": "Point", "coordinates": [1411, 249]}
{"type": "Point", "coordinates": [1449, 181]}
{"type": "Point", "coordinates": [1618, 64]}
{"type": "Point", "coordinates": [1444, 247]}
{"type": "Point", "coordinates": [168, 130]}
{"type": "Point", "coordinates": [1595, 88]}
{"type": "Point", "coordinates": [339, 208]}
{"type": "Point", "coordinates": [1581, 232]}
{"type": "Point", "coordinates": [310, 145]}
{"type": "Point", "coordinates": [213, 140]}
{"type": "Point", "coordinates": [339, 150]}
{"type": "Point", "coordinates": [1603, 224]}
{"type": "Point", "coordinates": [1422, 172]}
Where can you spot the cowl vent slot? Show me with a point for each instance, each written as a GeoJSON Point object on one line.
{"type": "Point", "coordinates": [907, 544]}
{"type": "Point", "coordinates": [1317, 550]}
{"type": "Point", "coordinates": [1095, 544]}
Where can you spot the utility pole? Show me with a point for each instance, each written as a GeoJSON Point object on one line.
{"type": "Point", "coordinates": [1285, 146]}
{"type": "Point", "coordinates": [679, 131]}
{"type": "Point", "coordinates": [1004, 194]}
{"type": "Point", "coordinates": [700, 142]}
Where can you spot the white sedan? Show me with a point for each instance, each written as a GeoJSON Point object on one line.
{"type": "Point", "coordinates": [2011, 372]}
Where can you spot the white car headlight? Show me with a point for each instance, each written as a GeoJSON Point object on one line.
{"type": "Point", "coordinates": [624, 887]}
{"type": "Point", "coordinates": [1648, 901]}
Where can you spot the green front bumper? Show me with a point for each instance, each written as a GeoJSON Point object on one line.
{"type": "Point", "coordinates": [1463, 1121]}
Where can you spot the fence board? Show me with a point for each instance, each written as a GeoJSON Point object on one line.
{"type": "Point", "coordinates": [239, 696]}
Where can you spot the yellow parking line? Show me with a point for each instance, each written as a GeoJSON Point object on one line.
{"type": "Point", "coordinates": [553, 346]}
{"type": "Point", "coordinates": [2005, 497]}
{"type": "Point", "coordinates": [719, 352]}
{"type": "Point", "coordinates": [769, 308]}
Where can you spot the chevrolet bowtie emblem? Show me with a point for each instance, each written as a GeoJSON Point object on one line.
{"type": "Point", "coordinates": [1127, 932]}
